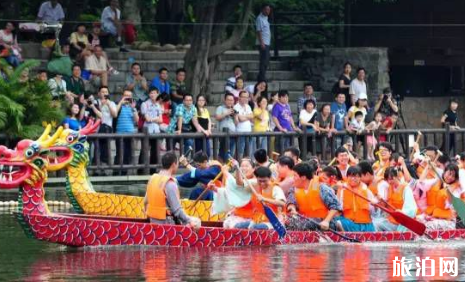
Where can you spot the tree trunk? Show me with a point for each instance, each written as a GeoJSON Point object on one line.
{"type": "Point", "coordinates": [131, 11]}
{"type": "Point", "coordinates": [172, 12]}
{"type": "Point", "coordinates": [208, 43]}
{"type": "Point", "coordinates": [196, 60]}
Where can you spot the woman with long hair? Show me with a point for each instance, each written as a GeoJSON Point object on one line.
{"type": "Point", "coordinates": [203, 116]}
{"type": "Point", "coordinates": [74, 119]}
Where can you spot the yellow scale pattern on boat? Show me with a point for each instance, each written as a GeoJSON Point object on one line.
{"type": "Point", "coordinates": [116, 205]}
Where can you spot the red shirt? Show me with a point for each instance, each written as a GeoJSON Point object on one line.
{"type": "Point", "coordinates": [165, 118]}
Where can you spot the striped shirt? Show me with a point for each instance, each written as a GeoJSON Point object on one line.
{"type": "Point", "coordinates": [125, 122]}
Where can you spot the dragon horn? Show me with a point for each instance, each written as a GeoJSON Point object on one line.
{"type": "Point", "coordinates": [90, 128]}
{"type": "Point", "coordinates": [44, 135]}
{"type": "Point", "coordinates": [50, 141]}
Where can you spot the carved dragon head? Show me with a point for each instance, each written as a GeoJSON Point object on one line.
{"type": "Point", "coordinates": [71, 147]}
{"type": "Point", "coordinates": [28, 162]}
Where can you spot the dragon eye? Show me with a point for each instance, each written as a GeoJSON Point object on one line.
{"type": "Point", "coordinates": [29, 153]}
{"type": "Point", "coordinates": [70, 138]}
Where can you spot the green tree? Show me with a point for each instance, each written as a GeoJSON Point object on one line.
{"type": "Point", "coordinates": [24, 106]}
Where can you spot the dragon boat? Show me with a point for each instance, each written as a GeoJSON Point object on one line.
{"type": "Point", "coordinates": [27, 166]}
{"type": "Point", "coordinates": [70, 151]}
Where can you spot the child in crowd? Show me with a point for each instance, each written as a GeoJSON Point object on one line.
{"type": "Point", "coordinates": [371, 139]}
{"type": "Point", "coordinates": [164, 101]}
{"type": "Point", "coordinates": [357, 125]}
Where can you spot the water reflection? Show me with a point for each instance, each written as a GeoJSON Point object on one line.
{"type": "Point", "coordinates": [25, 259]}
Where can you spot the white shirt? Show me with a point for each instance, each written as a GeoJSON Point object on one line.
{"type": "Point", "coordinates": [107, 118]}
{"type": "Point", "coordinates": [108, 14]}
{"type": "Point", "coordinates": [49, 14]}
{"type": "Point", "coordinates": [262, 25]}
{"type": "Point", "coordinates": [358, 126]}
{"type": "Point", "coordinates": [243, 126]}
{"type": "Point", "coordinates": [306, 116]}
{"type": "Point", "coordinates": [357, 87]}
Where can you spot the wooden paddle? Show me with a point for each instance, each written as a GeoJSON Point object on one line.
{"type": "Point", "coordinates": [206, 189]}
{"type": "Point", "coordinates": [411, 223]}
{"type": "Point", "coordinates": [269, 213]}
{"type": "Point", "coordinates": [417, 141]}
{"type": "Point", "coordinates": [457, 203]}
{"type": "Point", "coordinates": [354, 240]}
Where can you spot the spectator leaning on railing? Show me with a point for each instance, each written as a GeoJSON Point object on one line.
{"type": "Point", "coordinates": [185, 121]}
{"type": "Point", "coordinates": [261, 121]}
{"type": "Point", "coordinates": [282, 117]}
{"type": "Point", "coordinates": [152, 113]}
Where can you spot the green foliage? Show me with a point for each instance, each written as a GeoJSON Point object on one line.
{"type": "Point", "coordinates": [89, 18]}
{"type": "Point", "coordinates": [24, 106]}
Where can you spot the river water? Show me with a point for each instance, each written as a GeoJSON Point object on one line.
{"type": "Point", "coordinates": [24, 259]}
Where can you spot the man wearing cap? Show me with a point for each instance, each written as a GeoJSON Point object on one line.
{"type": "Point", "coordinates": [358, 86]}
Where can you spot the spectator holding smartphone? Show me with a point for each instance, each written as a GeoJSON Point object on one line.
{"type": "Point", "coordinates": [107, 114]}
{"type": "Point", "coordinates": [126, 123]}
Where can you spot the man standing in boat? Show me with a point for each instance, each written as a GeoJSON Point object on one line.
{"type": "Point", "coordinates": [162, 200]}
{"type": "Point", "coordinates": [311, 204]}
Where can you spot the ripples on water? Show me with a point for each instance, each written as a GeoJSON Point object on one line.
{"type": "Point", "coordinates": [23, 259]}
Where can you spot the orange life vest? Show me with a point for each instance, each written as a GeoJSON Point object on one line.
{"type": "Point", "coordinates": [439, 208]}
{"type": "Point", "coordinates": [396, 199]}
{"type": "Point", "coordinates": [431, 193]}
{"type": "Point", "coordinates": [309, 201]}
{"type": "Point", "coordinates": [373, 188]}
{"type": "Point", "coordinates": [156, 197]}
{"type": "Point", "coordinates": [254, 209]}
{"type": "Point", "coordinates": [354, 207]}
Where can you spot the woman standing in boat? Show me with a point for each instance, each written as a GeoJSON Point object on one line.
{"type": "Point", "coordinates": [162, 200]}
{"type": "Point", "coordinates": [356, 216]}
{"type": "Point", "coordinates": [249, 214]}
{"type": "Point", "coordinates": [399, 196]}
{"type": "Point", "coordinates": [311, 204]}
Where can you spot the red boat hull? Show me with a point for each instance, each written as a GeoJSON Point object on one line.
{"type": "Point", "coordinates": [79, 232]}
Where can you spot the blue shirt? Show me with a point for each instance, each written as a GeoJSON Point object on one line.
{"type": "Point", "coordinates": [74, 124]}
{"type": "Point", "coordinates": [125, 122]}
{"type": "Point", "coordinates": [262, 25]}
{"type": "Point", "coordinates": [340, 112]}
{"type": "Point", "coordinates": [162, 87]}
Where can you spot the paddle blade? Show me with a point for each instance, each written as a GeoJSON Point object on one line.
{"type": "Point", "coordinates": [277, 225]}
{"type": "Point", "coordinates": [412, 224]}
{"type": "Point", "coordinates": [459, 205]}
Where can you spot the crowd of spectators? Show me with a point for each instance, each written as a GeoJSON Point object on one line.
{"type": "Point", "coordinates": [80, 71]}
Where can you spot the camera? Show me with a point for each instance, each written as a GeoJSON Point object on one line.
{"type": "Point", "coordinates": [129, 100]}
{"type": "Point", "coordinates": [235, 112]}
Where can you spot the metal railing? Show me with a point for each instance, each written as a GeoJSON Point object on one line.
{"type": "Point", "coordinates": [137, 147]}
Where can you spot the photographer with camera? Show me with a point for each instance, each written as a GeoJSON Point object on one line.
{"type": "Point", "coordinates": [386, 103]}
{"type": "Point", "coordinates": [225, 116]}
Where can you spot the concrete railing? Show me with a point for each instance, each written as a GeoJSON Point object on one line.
{"type": "Point", "coordinates": [138, 146]}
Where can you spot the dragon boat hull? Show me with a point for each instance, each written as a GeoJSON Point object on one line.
{"type": "Point", "coordinates": [82, 230]}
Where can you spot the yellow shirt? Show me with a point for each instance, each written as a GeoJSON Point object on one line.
{"type": "Point", "coordinates": [203, 114]}
{"type": "Point", "coordinates": [75, 38]}
{"type": "Point", "coordinates": [261, 125]}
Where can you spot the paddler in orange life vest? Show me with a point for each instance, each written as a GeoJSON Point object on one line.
{"type": "Point", "coordinates": [311, 202]}
{"type": "Point", "coordinates": [443, 215]}
{"type": "Point", "coordinates": [162, 201]}
{"type": "Point", "coordinates": [399, 196]}
{"type": "Point", "coordinates": [426, 188]}
{"type": "Point", "coordinates": [252, 215]}
{"type": "Point", "coordinates": [356, 212]}
{"type": "Point", "coordinates": [384, 153]}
